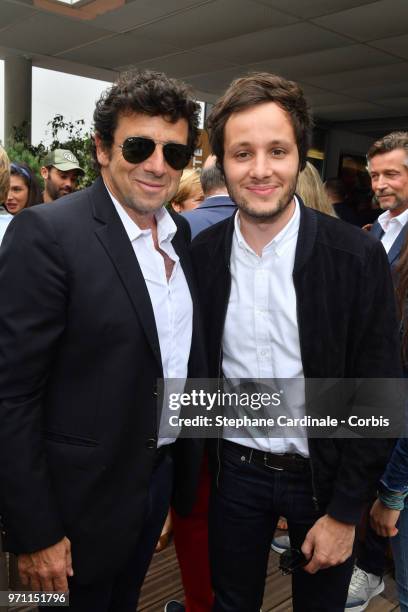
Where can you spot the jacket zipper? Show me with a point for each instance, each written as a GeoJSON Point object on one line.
{"type": "Point", "coordinates": [314, 492]}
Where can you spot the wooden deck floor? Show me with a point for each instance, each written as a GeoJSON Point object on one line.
{"type": "Point", "coordinates": [163, 583]}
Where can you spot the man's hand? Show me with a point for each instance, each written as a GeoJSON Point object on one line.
{"type": "Point", "coordinates": [47, 569]}
{"type": "Point", "coordinates": [327, 543]}
{"type": "Point", "coordinates": [383, 519]}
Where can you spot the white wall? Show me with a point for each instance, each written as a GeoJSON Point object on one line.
{"type": "Point", "coordinates": [59, 93]}
{"type": "Point", "coordinates": [56, 93]}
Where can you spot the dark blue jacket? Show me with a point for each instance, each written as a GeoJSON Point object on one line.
{"type": "Point", "coordinates": [211, 210]}
{"type": "Point", "coordinates": [394, 252]}
{"type": "Point", "coordinates": [395, 477]}
{"type": "Point", "coordinates": [347, 329]}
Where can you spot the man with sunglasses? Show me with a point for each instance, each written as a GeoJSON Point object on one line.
{"type": "Point", "coordinates": [99, 308]}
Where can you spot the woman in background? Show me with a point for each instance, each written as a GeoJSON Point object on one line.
{"type": "Point", "coordinates": [4, 175]}
{"type": "Point", "coordinates": [311, 189]}
{"type": "Point", "coordinates": [4, 189]}
{"type": "Point", "coordinates": [190, 193]}
{"type": "Point", "coordinates": [24, 189]}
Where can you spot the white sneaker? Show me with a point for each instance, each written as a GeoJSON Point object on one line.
{"type": "Point", "coordinates": [363, 587]}
{"type": "Point", "coordinates": [280, 544]}
{"type": "Point", "coordinates": [174, 606]}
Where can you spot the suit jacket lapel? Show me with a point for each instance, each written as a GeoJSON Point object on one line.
{"type": "Point", "coordinates": [181, 248]}
{"type": "Point", "coordinates": [377, 230]}
{"type": "Point", "coordinates": [115, 241]}
{"type": "Point", "coordinates": [395, 249]}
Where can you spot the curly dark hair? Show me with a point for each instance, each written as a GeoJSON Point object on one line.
{"type": "Point", "coordinates": [255, 89]}
{"type": "Point", "coordinates": [148, 92]}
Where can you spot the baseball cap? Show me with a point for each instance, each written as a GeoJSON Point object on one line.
{"type": "Point", "coordinates": [63, 160]}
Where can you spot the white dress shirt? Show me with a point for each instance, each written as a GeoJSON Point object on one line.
{"type": "Point", "coordinates": [391, 227]}
{"type": "Point", "coordinates": [261, 336]}
{"type": "Point", "coordinates": [171, 302]}
{"type": "Point", "coordinates": [5, 219]}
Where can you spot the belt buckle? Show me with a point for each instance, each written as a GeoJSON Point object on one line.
{"type": "Point", "coordinates": [271, 467]}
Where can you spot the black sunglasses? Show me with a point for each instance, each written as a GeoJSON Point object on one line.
{"type": "Point", "coordinates": [136, 149]}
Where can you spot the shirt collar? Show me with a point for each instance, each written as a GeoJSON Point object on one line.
{"type": "Point", "coordinates": [166, 228]}
{"type": "Point", "coordinates": [281, 241]}
{"type": "Point", "coordinates": [385, 219]}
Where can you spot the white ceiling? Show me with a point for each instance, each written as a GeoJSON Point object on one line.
{"type": "Point", "coordinates": [351, 56]}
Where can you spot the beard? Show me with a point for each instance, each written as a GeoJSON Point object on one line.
{"type": "Point", "coordinates": [54, 191]}
{"type": "Point", "coordinates": [263, 211]}
{"type": "Point", "coordinates": [398, 203]}
{"type": "Point", "coordinates": [140, 208]}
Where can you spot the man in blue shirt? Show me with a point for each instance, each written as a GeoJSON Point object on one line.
{"type": "Point", "coordinates": [217, 204]}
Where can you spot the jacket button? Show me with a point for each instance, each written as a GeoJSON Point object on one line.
{"type": "Point", "coordinates": [151, 443]}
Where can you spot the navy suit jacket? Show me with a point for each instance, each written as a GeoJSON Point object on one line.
{"type": "Point", "coordinates": [79, 367]}
{"type": "Point", "coordinates": [211, 211]}
{"type": "Point", "coordinates": [395, 249]}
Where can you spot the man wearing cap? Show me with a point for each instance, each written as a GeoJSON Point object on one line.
{"type": "Point", "coordinates": [60, 172]}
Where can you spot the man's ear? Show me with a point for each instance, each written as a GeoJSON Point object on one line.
{"type": "Point", "coordinates": [102, 153]}
{"type": "Point", "coordinates": [44, 172]}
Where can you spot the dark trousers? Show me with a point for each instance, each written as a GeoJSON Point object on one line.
{"type": "Point", "coordinates": [372, 552]}
{"type": "Point", "coordinates": [246, 503]}
{"type": "Point", "coordinates": [191, 542]}
{"type": "Point", "coordinates": [120, 592]}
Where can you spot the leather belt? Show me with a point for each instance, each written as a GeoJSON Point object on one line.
{"type": "Point", "coordinates": [289, 462]}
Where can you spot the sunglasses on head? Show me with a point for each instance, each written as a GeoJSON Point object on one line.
{"type": "Point", "coordinates": [136, 149]}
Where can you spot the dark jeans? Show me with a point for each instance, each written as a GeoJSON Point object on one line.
{"type": "Point", "coordinates": [372, 552]}
{"type": "Point", "coordinates": [120, 592]}
{"type": "Point", "coordinates": [244, 510]}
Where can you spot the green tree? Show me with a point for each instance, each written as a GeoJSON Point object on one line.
{"type": "Point", "coordinates": [65, 135]}
{"type": "Point", "coordinates": [18, 153]}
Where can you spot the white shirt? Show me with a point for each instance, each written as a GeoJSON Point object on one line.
{"type": "Point", "coordinates": [171, 301]}
{"type": "Point", "coordinates": [5, 219]}
{"type": "Point", "coordinates": [391, 227]}
{"type": "Point", "coordinates": [261, 336]}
